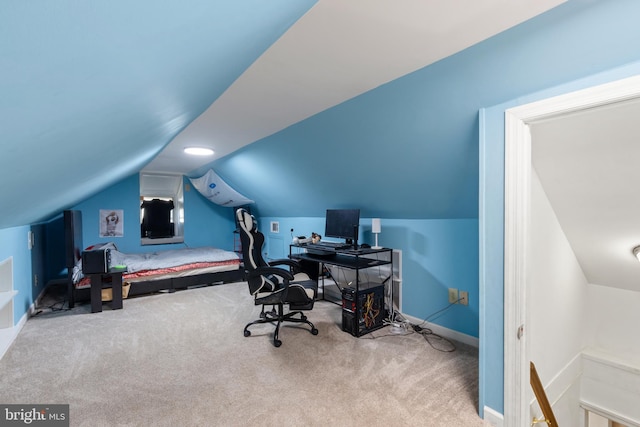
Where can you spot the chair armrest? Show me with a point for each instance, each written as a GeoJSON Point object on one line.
{"type": "Point", "coordinates": [286, 261]}
{"type": "Point", "coordinates": [280, 272]}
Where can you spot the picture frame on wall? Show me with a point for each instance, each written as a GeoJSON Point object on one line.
{"type": "Point", "coordinates": [111, 223]}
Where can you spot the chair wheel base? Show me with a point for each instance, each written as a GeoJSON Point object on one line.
{"type": "Point", "coordinates": [278, 319]}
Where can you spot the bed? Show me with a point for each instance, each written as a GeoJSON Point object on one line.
{"type": "Point", "coordinates": [225, 267]}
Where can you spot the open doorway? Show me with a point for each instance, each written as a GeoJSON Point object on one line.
{"type": "Point", "coordinates": [518, 183]}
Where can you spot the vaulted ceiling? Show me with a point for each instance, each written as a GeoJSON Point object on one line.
{"type": "Point", "coordinates": [93, 92]}
{"type": "Point", "coordinates": [337, 51]}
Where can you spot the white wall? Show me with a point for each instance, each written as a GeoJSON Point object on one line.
{"type": "Point", "coordinates": [614, 319]}
{"type": "Point", "coordinates": [582, 337]}
{"type": "Point", "coordinates": [556, 308]}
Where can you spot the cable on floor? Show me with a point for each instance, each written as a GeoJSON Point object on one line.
{"type": "Point", "coordinates": [402, 327]}
{"type": "Point", "coordinates": [55, 307]}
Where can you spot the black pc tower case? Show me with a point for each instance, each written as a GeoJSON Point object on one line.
{"type": "Point", "coordinates": [362, 311]}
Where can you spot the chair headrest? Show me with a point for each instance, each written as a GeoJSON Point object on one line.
{"type": "Point", "coordinates": [246, 221]}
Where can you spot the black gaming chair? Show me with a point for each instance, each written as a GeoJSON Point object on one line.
{"type": "Point", "coordinates": [272, 285]}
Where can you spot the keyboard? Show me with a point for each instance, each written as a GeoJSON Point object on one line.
{"type": "Point", "coordinates": [330, 245]}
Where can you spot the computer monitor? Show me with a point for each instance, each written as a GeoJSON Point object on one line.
{"type": "Point", "coordinates": [343, 224]}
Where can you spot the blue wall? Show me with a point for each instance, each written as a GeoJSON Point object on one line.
{"type": "Point", "coordinates": [13, 243]}
{"type": "Point", "coordinates": [206, 224]}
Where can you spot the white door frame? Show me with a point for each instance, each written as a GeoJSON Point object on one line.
{"type": "Point", "coordinates": [517, 219]}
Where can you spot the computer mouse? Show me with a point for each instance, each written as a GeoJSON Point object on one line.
{"type": "Point", "coordinates": [365, 246]}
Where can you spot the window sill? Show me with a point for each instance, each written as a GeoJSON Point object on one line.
{"type": "Point", "coordinates": [162, 241]}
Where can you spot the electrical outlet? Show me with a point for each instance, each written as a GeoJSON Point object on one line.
{"type": "Point", "coordinates": [453, 296]}
{"type": "Point", "coordinates": [464, 297]}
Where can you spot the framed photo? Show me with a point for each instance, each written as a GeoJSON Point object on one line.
{"type": "Point", "coordinates": [111, 223]}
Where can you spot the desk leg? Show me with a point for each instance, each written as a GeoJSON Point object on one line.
{"type": "Point", "coordinates": [96, 293]}
{"type": "Point", "coordinates": [116, 291]}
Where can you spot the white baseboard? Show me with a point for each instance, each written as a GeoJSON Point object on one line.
{"type": "Point", "coordinates": [493, 417]}
{"type": "Point", "coordinates": [32, 308]}
{"type": "Point", "coordinates": [7, 335]}
{"type": "Point", "coordinates": [446, 332]}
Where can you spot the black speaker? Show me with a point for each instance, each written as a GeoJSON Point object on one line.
{"type": "Point", "coordinates": [96, 261]}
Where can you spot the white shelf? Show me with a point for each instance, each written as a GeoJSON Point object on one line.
{"type": "Point", "coordinates": [6, 298]}
{"type": "Point", "coordinates": [6, 293]}
{"type": "Point", "coordinates": [6, 309]}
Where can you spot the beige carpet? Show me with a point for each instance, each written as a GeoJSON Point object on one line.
{"type": "Point", "coordinates": [181, 360]}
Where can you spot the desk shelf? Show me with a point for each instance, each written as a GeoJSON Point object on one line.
{"type": "Point", "coordinates": [357, 262]}
{"type": "Point", "coordinates": [352, 262]}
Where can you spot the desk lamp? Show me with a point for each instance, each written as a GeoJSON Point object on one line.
{"type": "Point", "coordinates": [375, 229]}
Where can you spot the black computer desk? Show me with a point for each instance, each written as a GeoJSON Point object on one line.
{"type": "Point", "coordinates": [313, 261]}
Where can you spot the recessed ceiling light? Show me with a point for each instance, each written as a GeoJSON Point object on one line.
{"type": "Point", "coordinates": [198, 151]}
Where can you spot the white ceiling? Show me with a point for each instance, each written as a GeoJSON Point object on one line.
{"type": "Point", "coordinates": [587, 163]}
{"type": "Point", "coordinates": [338, 50]}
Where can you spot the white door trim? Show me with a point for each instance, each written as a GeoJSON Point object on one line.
{"type": "Point", "coordinates": [516, 224]}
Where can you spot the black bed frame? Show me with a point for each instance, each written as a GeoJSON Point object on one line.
{"type": "Point", "coordinates": [74, 248]}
